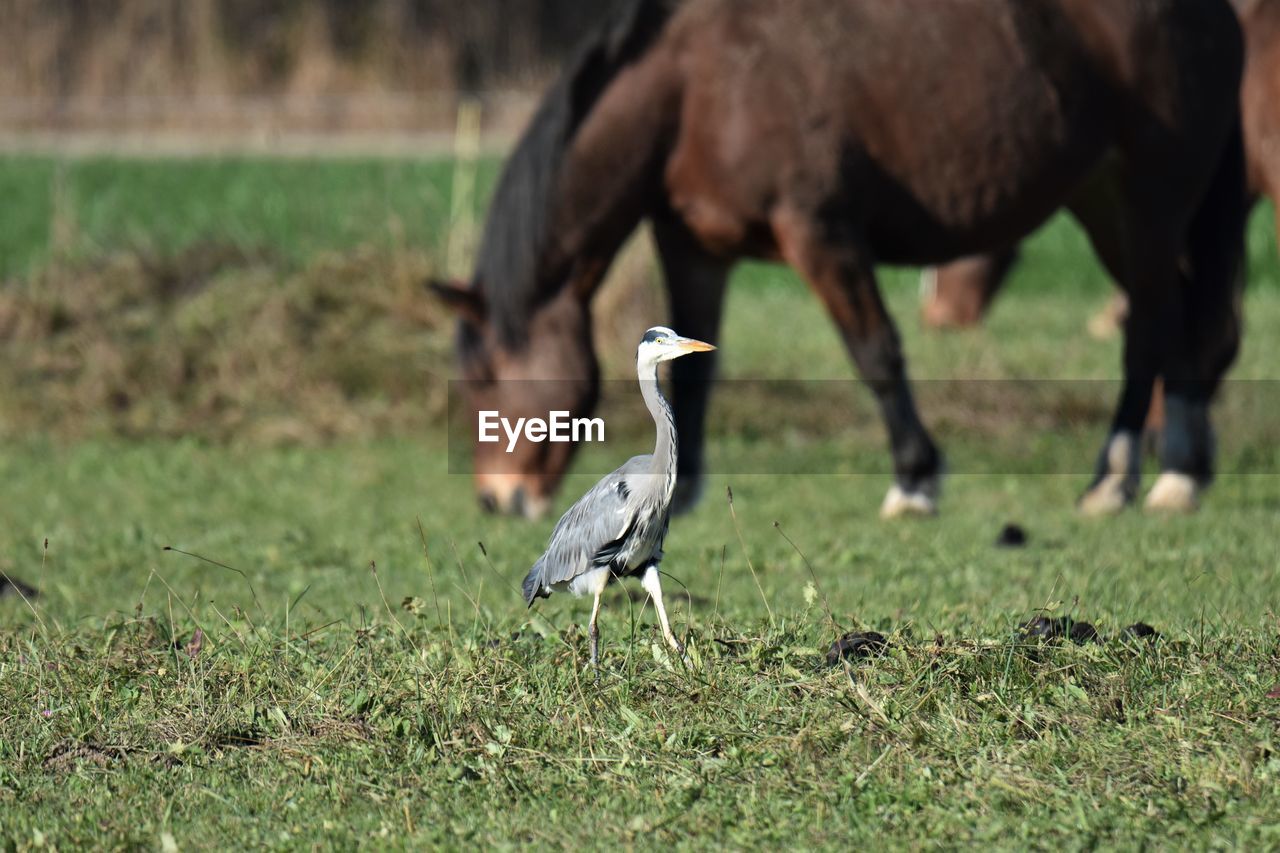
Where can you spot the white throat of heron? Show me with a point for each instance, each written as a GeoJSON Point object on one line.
{"type": "Point", "coordinates": [664, 450]}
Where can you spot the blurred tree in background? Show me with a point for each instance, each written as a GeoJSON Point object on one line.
{"type": "Point", "coordinates": [316, 65]}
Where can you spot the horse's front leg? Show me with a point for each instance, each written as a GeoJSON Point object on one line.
{"type": "Point", "coordinates": [843, 278]}
{"type": "Point", "coordinates": [695, 287]}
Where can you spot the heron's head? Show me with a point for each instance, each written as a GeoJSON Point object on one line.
{"type": "Point", "coordinates": [553, 368]}
{"type": "Point", "coordinates": [662, 344]}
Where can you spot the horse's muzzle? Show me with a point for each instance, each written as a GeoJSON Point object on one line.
{"type": "Point", "coordinates": [518, 501]}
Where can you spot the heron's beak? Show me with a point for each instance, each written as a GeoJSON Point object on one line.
{"type": "Point", "coordinates": [691, 345]}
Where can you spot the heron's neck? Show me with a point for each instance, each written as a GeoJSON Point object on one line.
{"type": "Point", "coordinates": [664, 450]}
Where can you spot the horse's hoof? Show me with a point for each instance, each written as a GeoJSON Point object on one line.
{"type": "Point", "coordinates": [687, 493]}
{"type": "Point", "coordinates": [1173, 492]}
{"type": "Point", "coordinates": [1108, 497]}
{"type": "Point", "coordinates": [900, 503]}
{"type": "Point", "coordinates": [1114, 490]}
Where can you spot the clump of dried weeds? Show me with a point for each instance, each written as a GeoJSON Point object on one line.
{"type": "Point", "coordinates": [224, 344]}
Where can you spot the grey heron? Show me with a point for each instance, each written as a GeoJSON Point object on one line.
{"type": "Point", "coordinates": [617, 528]}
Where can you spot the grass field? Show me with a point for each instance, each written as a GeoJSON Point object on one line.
{"type": "Point", "coordinates": [360, 669]}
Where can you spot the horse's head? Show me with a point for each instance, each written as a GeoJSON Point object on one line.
{"type": "Point", "coordinates": [553, 368]}
{"type": "Point", "coordinates": [553, 225]}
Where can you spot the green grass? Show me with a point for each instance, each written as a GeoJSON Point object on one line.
{"type": "Point", "coordinates": [82, 206]}
{"type": "Point", "coordinates": [299, 208]}
{"type": "Point", "coordinates": [310, 716]}
{"type": "Point", "coordinates": [329, 705]}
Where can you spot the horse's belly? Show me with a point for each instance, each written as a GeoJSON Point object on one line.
{"type": "Point", "coordinates": [936, 223]}
{"type": "Point", "coordinates": [976, 181]}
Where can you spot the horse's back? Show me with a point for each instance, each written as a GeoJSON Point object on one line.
{"type": "Point", "coordinates": [959, 123]}
{"type": "Point", "coordinates": [1164, 56]}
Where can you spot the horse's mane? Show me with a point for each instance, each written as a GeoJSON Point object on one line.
{"type": "Point", "coordinates": [520, 213]}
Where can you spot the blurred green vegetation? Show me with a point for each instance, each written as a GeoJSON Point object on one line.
{"type": "Point", "coordinates": [77, 207]}
{"type": "Point", "coordinates": [73, 209]}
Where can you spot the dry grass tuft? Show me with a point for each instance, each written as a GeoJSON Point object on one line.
{"type": "Point", "coordinates": [224, 344]}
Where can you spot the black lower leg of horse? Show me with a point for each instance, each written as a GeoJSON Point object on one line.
{"type": "Point", "coordinates": [846, 283]}
{"type": "Point", "coordinates": [1120, 460]}
{"type": "Point", "coordinates": [695, 284]}
{"type": "Point", "coordinates": [1187, 446]}
{"type": "Point", "coordinates": [916, 461]}
{"type": "Point", "coordinates": [1142, 263]}
{"type": "Point", "coordinates": [1211, 279]}
{"type": "Point", "coordinates": [1194, 365]}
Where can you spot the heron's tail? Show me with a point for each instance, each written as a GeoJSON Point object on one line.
{"type": "Point", "coordinates": [533, 583]}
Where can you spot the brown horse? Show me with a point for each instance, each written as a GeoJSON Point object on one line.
{"type": "Point", "coordinates": [959, 294]}
{"type": "Point", "coordinates": [837, 134]}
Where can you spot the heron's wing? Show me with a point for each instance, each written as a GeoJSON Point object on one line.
{"type": "Point", "coordinates": [590, 534]}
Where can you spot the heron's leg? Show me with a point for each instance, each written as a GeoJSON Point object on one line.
{"type": "Point", "coordinates": [654, 588]}
{"type": "Point", "coordinates": [695, 282]}
{"type": "Point", "coordinates": [593, 632]}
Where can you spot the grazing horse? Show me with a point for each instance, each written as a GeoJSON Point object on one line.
{"type": "Point", "coordinates": [834, 135]}
{"type": "Point", "coordinates": [959, 294]}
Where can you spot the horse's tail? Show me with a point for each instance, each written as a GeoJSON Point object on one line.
{"type": "Point", "coordinates": [520, 213]}
{"type": "Point", "coordinates": [1216, 259]}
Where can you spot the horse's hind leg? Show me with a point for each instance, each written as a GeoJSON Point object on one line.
{"type": "Point", "coordinates": [1204, 344]}
{"type": "Point", "coordinates": [695, 286]}
{"type": "Point", "coordinates": [1141, 260]}
{"type": "Point", "coordinates": [958, 294]}
{"type": "Point", "coordinates": [842, 276]}
{"type": "Point", "coordinates": [1181, 275]}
